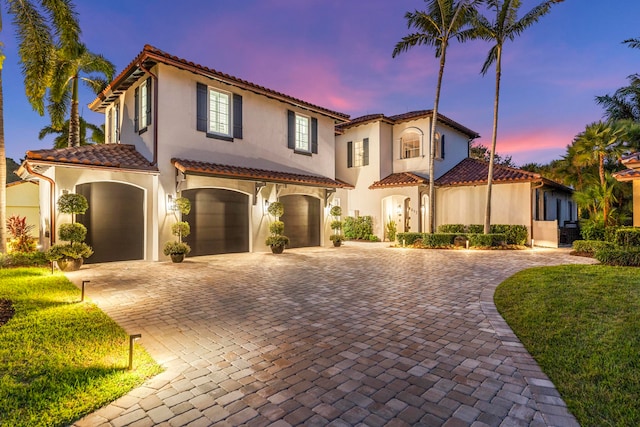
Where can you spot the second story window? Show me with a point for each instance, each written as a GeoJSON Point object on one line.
{"type": "Point", "coordinates": [410, 145]}
{"type": "Point", "coordinates": [358, 153]}
{"type": "Point", "coordinates": [302, 133]}
{"type": "Point", "coordinates": [143, 106]}
{"type": "Point", "coordinates": [218, 113]}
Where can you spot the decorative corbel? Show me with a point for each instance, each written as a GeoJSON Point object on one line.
{"type": "Point", "coordinates": [258, 186]}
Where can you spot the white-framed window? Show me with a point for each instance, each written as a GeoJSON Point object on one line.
{"type": "Point", "coordinates": [219, 112]}
{"type": "Point", "coordinates": [302, 133]}
{"type": "Point", "coordinates": [144, 99]}
{"type": "Point", "coordinates": [358, 153]}
{"type": "Point", "coordinates": [410, 145]}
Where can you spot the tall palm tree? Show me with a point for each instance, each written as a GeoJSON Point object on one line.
{"type": "Point", "coordinates": [436, 27]}
{"type": "Point", "coordinates": [69, 62]}
{"type": "Point", "coordinates": [62, 138]}
{"type": "Point", "coordinates": [35, 42]}
{"type": "Point", "coordinates": [506, 26]}
{"type": "Point", "coordinates": [624, 104]}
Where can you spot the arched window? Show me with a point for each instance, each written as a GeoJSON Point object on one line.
{"type": "Point", "coordinates": [410, 145]}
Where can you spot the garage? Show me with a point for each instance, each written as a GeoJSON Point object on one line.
{"type": "Point", "coordinates": [219, 221]}
{"type": "Point", "coordinates": [114, 221]}
{"type": "Point", "coordinates": [301, 220]}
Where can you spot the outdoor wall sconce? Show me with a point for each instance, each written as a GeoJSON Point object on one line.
{"type": "Point", "coordinates": [266, 207]}
{"type": "Point", "coordinates": [132, 339]}
{"type": "Point", "coordinates": [171, 203]}
{"type": "Point", "coordinates": [399, 210]}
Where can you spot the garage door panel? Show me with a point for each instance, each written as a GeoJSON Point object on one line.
{"type": "Point", "coordinates": [114, 221]}
{"type": "Point", "coordinates": [301, 220]}
{"type": "Point", "coordinates": [219, 221]}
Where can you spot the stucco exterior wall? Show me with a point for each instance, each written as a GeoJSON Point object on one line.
{"type": "Point", "coordinates": [511, 204]}
{"type": "Point", "coordinates": [23, 200]}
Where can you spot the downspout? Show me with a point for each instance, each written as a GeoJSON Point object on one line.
{"type": "Point", "coordinates": [52, 193]}
{"type": "Point", "coordinates": [154, 162]}
{"type": "Point", "coordinates": [532, 198]}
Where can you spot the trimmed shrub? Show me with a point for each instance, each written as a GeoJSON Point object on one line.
{"type": "Point", "coordinates": [74, 232]}
{"type": "Point", "coordinates": [627, 236]}
{"type": "Point", "coordinates": [623, 257]}
{"type": "Point", "coordinates": [591, 246]}
{"type": "Point", "coordinates": [358, 228]}
{"type": "Point", "coordinates": [486, 240]}
{"type": "Point", "coordinates": [23, 259]}
{"type": "Point", "coordinates": [475, 229]}
{"type": "Point", "coordinates": [514, 234]}
{"type": "Point", "coordinates": [276, 227]}
{"type": "Point", "coordinates": [451, 228]}
{"type": "Point", "coordinates": [409, 238]}
{"type": "Point", "coordinates": [438, 240]}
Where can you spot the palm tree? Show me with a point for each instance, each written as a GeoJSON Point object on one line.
{"type": "Point", "coordinates": [35, 43]}
{"type": "Point", "coordinates": [62, 138]}
{"type": "Point", "coordinates": [624, 104]}
{"type": "Point", "coordinates": [442, 21]}
{"type": "Point", "coordinates": [69, 62]}
{"type": "Point", "coordinates": [506, 26]}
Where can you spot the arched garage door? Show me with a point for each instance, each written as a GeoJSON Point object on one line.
{"type": "Point", "coordinates": [114, 221]}
{"type": "Point", "coordinates": [219, 221]}
{"type": "Point", "coordinates": [301, 220]}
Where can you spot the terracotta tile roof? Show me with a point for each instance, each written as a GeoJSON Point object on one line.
{"type": "Point", "coordinates": [239, 172]}
{"type": "Point", "coordinates": [632, 160]}
{"type": "Point", "coordinates": [151, 56]}
{"type": "Point", "coordinates": [627, 175]}
{"type": "Point", "coordinates": [474, 172]}
{"type": "Point", "coordinates": [401, 179]}
{"type": "Point", "coordinates": [119, 156]}
{"type": "Point", "coordinates": [401, 118]}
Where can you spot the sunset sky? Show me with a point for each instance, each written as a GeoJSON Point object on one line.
{"type": "Point", "coordinates": [337, 54]}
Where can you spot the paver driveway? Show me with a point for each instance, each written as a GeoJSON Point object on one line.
{"type": "Point", "coordinates": [343, 336]}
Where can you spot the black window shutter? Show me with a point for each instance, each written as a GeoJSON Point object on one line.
{"type": "Point", "coordinates": [291, 129]}
{"type": "Point", "coordinates": [148, 102]}
{"type": "Point", "coordinates": [314, 135]}
{"type": "Point", "coordinates": [116, 124]}
{"type": "Point", "coordinates": [350, 154]}
{"type": "Point", "coordinates": [365, 149]}
{"type": "Point", "coordinates": [136, 119]}
{"type": "Point", "coordinates": [201, 107]}
{"type": "Point", "coordinates": [442, 147]}
{"type": "Point", "coordinates": [237, 116]}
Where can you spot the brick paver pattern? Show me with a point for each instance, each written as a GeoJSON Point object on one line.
{"type": "Point", "coordinates": [357, 335]}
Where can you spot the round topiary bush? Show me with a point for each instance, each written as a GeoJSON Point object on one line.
{"type": "Point", "coordinates": [71, 203]}
{"type": "Point", "coordinates": [276, 209]}
{"type": "Point", "coordinates": [72, 232]}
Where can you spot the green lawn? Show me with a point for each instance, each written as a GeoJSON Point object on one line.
{"type": "Point", "coordinates": [582, 325]}
{"type": "Point", "coordinates": [60, 358]}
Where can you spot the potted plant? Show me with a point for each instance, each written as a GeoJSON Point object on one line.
{"type": "Point", "coordinates": [277, 241]}
{"type": "Point", "coordinates": [336, 226]}
{"type": "Point", "coordinates": [177, 250]}
{"type": "Point", "coordinates": [70, 256]}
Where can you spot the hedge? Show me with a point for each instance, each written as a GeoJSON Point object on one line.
{"type": "Point", "coordinates": [514, 234]}
{"type": "Point", "coordinates": [451, 228]}
{"type": "Point", "coordinates": [445, 240]}
{"type": "Point", "coordinates": [627, 236]}
{"type": "Point", "coordinates": [358, 227]}
{"type": "Point", "coordinates": [591, 246]}
{"type": "Point", "coordinates": [486, 240]}
{"type": "Point", "coordinates": [629, 257]}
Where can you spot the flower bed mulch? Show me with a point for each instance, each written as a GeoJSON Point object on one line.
{"type": "Point", "coordinates": [6, 311]}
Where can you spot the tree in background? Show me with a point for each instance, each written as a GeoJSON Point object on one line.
{"type": "Point", "coordinates": [62, 138]}
{"type": "Point", "coordinates": [442, 21]}
{"type": "Point", "coordinates": [72, 62]}
{"type": "Point", "coordinates": [481, 152]}
{"type": "Point", "coordinates": [506, 26]}
{"type": "Point", "coordinates": [32, 21]}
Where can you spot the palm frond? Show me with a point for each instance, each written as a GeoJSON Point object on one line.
{"type": "Point", "coordinates": [58, 108]}
{"type": "Point", "coordinates": [64, 19]}
{"type": "Point", "coordinates": [634, 43]}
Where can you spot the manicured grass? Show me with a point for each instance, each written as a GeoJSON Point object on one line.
{"type": "Point", "coordinates": [60, 359]}
{"type": "Point", "coordinates": [582, 325]}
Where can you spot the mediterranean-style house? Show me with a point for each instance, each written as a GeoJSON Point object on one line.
{"type": "Point", "coordinates": [179, 129]}
{"type": "Point", "coordinates": [632, 173]}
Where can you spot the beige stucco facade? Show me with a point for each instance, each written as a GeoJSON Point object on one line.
{"type": "Point", "coordinates": [23, 200]}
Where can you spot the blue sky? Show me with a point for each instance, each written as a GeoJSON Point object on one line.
{"type": "Point", "coordinates": [337, 54]}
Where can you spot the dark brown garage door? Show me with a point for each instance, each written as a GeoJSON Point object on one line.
{"type": "Point", "coordinates": [219, 221]}
{"type": "Point", "coordinates": [114, 221]}
{"type": "Point", "coordinates": [301, 220]}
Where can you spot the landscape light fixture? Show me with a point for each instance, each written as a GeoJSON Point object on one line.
{"type": "Point", "coordinates": [132, 339]}
{"type": "Point", "coordinates": [84, 282]}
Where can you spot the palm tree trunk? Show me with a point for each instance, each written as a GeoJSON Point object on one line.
{"type": "Point", "coordinates": [3, 173]}
{"type": "Point", "coordinates": [74, 120]}
{"type": "Point", "coordinates": [494, 137]}
{"type": "Point", "coordinates": [432, 150]}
